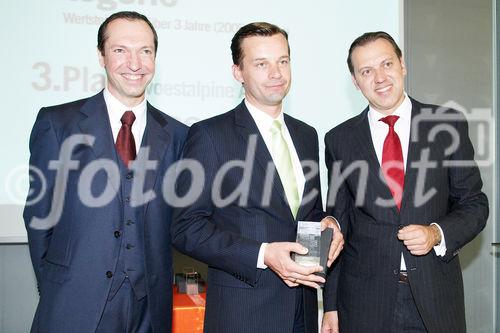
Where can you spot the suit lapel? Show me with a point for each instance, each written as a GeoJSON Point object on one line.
{"type": "Point", "coordinates": [96, 124]}
{"type": "Point", "coordinates": [247, 127]}
{"type": "Point", "coordinates": [414, 149]}
{"type": "Point", "coordinates": [156, 138]}
{"type": "Point", "coordinates": [299, 142]}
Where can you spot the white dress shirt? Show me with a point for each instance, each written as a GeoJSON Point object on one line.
{"type": "Point", "coordinates": [379, 130]}
{"type": "Point", "coordinates": [264, 123]}
{"type": "Point", "coordinates": [116, 110]}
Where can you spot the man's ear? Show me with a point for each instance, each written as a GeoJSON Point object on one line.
{"type": "Point", "coordinates": [100, 57]}
{"type": "Point", "coordinates": [237, 73]}
{"type": "Point", "coordinates": [403, 65]}
{"type": "Point", "coordinates": [353, 78]}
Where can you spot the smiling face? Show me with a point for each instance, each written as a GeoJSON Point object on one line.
{"type": "Point", "coordinates": [379, 74]}
{"type": "Point", "coordinates": [129, 59]}
{"type": "Point", "coordinates": [265, 71]}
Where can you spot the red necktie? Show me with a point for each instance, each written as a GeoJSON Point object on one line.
{"type": "Point", "coordinates": [392, 161]}
{"type": "Point", "coordinates": [125, 143]}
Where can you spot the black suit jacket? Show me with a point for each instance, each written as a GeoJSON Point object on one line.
{"type": "Point", "coordinates": [72, 258]}
{"type": "Point", "coordinates": [363, 283]}
{"type": "Point", "coordinates": [228, 235]}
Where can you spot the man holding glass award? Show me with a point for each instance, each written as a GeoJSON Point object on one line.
{"type": "Point", "coordinates": [260, 178]}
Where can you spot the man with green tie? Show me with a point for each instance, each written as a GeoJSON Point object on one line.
{"type": "Point", "coordinates": [261, 177]}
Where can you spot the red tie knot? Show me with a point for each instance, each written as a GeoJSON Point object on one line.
{"type": "Point", "coordinates": [390, 120]}
{"type": "Point", "coordinates": [128, 118]}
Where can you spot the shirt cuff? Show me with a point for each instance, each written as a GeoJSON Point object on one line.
{"type": "Point", "coordinates": [260, 258]}
{"type": "Point", "coordinates": [440, 249]}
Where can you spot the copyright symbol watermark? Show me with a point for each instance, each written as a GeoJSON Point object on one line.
{"type": "Point", "coordinates": [17, 182]}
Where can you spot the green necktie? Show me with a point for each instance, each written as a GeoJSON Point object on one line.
{"type": "Point", "coordinates": [283, 162]}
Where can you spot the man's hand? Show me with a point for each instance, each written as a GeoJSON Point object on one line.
{"type": "Point", "coordinates": [277, 257]}
{"type": "Point", "coordinates": [330, 322]}
{"type": "Point", "coordinates": [419, 239]}
{"type": "Point", "coordinates": [337, 243]}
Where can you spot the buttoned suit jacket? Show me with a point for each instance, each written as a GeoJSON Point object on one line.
{"type": "Point", "coordinates": [227, 234]}
{"type": "Point", "coordinates": [362, 285]}
{"type": "Point", "coordinates": [71, 259]}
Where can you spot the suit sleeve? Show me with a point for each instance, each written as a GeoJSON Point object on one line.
{"type": "Point", "coordinates": [44, 147]}
{"type": "Point", "coordinates": [195, 230]}
{"type": "Point", "coordinates": [338, 205]}
{"type": "Point", "coordinates": [468, 204]}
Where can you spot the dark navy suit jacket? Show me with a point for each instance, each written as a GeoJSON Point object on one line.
{"type": "Point", "coordinates": [71, 259]}
{"type": "Point", "coordinates": [227, 235]}
{"type": "Point", "coordinates": [363, 283]}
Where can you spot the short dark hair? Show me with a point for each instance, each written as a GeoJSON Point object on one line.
{"type": "Point", "coordinates": [128, 15]}
{"type": "Point", "coordinates": [250, 30]}
{"type": "Point", "coordinates": [371, 37]}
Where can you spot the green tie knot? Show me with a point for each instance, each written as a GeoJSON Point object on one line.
{"type": "Point", "coordinates": [276, 127]}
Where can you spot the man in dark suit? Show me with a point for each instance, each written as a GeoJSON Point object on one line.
{"type": "Point", "coordinates": [100, 236]}
{"type": "Point", "coordinates": [407, 193]}
{"type": "Point", "coordinates": [243, 224]}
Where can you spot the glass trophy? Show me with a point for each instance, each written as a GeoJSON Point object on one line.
{"type": "Point", "coordinates": [309, 236]}
{"type": "Point", "coordinates": [317, 242]}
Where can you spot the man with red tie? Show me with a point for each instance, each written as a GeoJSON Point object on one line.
{"type": "Point", "coordinates": [406, 191]}
{"type": "Point", "coordinates": [103, 262]}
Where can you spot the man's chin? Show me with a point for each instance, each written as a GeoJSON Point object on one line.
{"type": "Point", "coordinates": [136, 93]}
{"type": "Point", "coordinates": [276, 99]}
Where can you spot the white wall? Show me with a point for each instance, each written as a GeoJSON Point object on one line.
{"type": "Point", "coordinates": [49, 57]}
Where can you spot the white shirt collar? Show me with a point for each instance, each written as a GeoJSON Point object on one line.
{"type": "Point", "coordinates": [264, 123]}
{"type": "Point", "coordinates": [262, 119]}
{"type": "Point", "coordinates": [403, 111]}
{"type": "Point", "coordinates": [117, 108]}
{"type": "Point", "coordinates": [115, 112]}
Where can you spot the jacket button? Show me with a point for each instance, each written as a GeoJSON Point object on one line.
{"type": "Point", "coordinates": [129, 222]}
{"type": "Point", "coordinates": [117, 234]}
{"type": "Point", "coordinates": [109, 274]}
{"type": "Point", "coordinates": [129, 246]}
